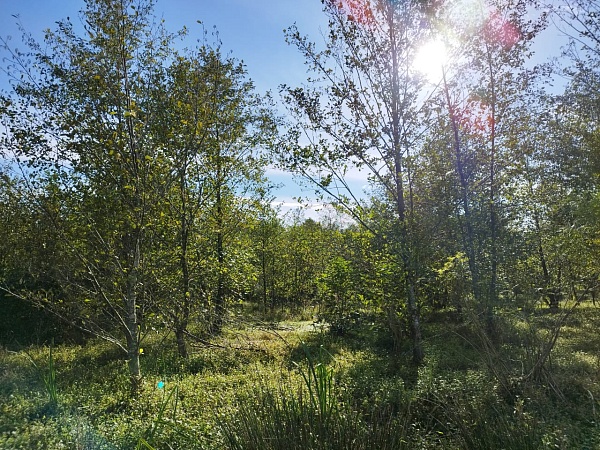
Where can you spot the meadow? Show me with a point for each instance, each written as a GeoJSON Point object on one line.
{"type": "Point", "coordinates": [288, 383]}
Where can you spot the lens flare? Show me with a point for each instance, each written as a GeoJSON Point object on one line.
{"type": "Point", "coordinates": [358, 11]}
{"type": "Point", "coordinates": [477, 16]}
{"type": "Point", "coordinates": [470, 14]}
{"type": "Point", "coordinates": [501, 31]}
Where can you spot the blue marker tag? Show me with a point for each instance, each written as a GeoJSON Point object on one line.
{"type": "Point", "coordinates": [160, 384]}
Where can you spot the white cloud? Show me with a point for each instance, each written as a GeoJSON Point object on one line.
{"type": "Point", "coordinates": [292, 204]}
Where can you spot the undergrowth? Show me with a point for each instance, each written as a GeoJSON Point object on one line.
{"type": "Point", "coordinates": [290, 385]}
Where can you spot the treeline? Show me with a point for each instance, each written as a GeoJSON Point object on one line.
{"type": "Point", "coordinates": [134, 195]}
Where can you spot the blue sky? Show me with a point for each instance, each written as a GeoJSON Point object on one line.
{"type": "Point", "coordinates": [252, 30]}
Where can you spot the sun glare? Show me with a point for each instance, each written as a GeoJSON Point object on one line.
{"type": "Point", "coordinates": [430, 59]}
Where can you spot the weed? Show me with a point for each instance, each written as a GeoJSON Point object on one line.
{"type": "Point", "coordinates": [312, 415]}
{"type": "Point", "coordinates": [48, 377]}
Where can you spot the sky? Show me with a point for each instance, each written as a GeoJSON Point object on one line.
{"type": "Point", "coordinates": [252, 30]}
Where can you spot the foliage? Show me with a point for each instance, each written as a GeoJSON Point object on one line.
{"type": "Point", "coordinates": [236, 395]}
{"type": "Point", "coordinates": [461, 300]}
{"type": "Point", "coordinates": [361, 111]}
{"type": "Point", "coordinates": [125, 150]}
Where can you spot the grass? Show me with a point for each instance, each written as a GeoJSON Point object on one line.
{"type": "Point", "coordinates": [293, 384]}
{"type": "Point", "coordinates": [48, 376]}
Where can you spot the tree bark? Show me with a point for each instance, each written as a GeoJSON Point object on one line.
{"type": "Point", "coordinates": [131, 319]}
{"type": "Point", "coordinates": [183, 312]}
{"type": "Point", "coordinates": [464, 191]}
{"type": "Point", "coordinates": [492, 299]}
{"type": "Point", "coordinates": [412, 304]}
{"type": "Point", "coordinates": [180, 339]}
{"type": "Point", "coordinates": [219, 311]}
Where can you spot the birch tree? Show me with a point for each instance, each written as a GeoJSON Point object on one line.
{"type": "Point", "coordinates": [361, 110]}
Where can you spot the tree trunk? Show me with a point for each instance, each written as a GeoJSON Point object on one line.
{"type": "Point", "coordinates": [133, 236]}
{"type": "Point", "coordinates": [180, 339]}
{"type": "Point", "coordinates": [263, 260]}
{"type": "Point", "coordinates": [131, 319]}
{"type": "Point", "coordinates": [220, 297]}
{"type": "Point", "coordinates": [469, 241]}
{"type": "Point", "coordinates": [219, 311]}
{"type": "Point", "coordinates": [492, 299]}
{"type": "Point", "coordinates": [413, 310]}
{"type": "Point", "coordinates": [415, 329]}
{"type": "Point", "coordinates": [183, 312]}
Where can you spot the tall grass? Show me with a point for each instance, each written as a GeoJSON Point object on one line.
{"type": "Point", "coordinates": [312, 414]}
{"type": "Point", "coordinates": [159, 420]}
{"type": "Point", "coordinates": [48, 377]}
{"type": "Point", "coordinates": [163, 420]}
{"type": "Point", "coordinates": [318, 380]}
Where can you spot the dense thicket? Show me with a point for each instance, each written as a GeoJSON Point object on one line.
{"type": "Point", "coordinates": [134, 199]}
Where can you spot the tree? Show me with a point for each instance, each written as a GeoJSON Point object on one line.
{"type": "Point", "coordinates": [569, 164]}
{"type": "Point", "coordinates": [362, 111]}
{"type": "Point", "coordinates": [212, 130]}
{"type": "Point", "coordinates": [81, 124]}
{"type": "Point", "coordinates": [28, 257]}
{"type": "Point", "coordinates": [305, 256]}
{"type": "Point", "coordinates": [481, 99]}
{"type": "Point", "coordinates": [267, 237]}
{"type": "Point", "coordinates": [238, 125]}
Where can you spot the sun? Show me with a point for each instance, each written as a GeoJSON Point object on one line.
{"type": "Point", "coordinates": [430, 60]}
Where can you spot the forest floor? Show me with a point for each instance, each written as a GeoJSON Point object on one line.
{"type": "Point", "coordinates": [262, 383]}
